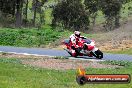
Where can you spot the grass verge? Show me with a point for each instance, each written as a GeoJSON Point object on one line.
{"type": "Point", "coordinates": [125, 51]}
{"type": "Point", "coordinates": [32, 37]}
{"type": "Point", "coordinates": [15, 75]}
{"type": "Point", "coordinates": [27, 37]}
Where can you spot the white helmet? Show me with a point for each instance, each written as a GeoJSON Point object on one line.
{"type": "Point", "coordinates": [77, 33]}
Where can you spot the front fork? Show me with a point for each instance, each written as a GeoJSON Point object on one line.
{"type": "Point", "coordinates": [94, 50]}
{"type": "Point", "coordinates": [97, 53]}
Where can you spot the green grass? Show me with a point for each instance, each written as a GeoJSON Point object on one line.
{"type": "Point", "coordinates": [32, 37]}
{"type": "Point", "coordinates": [126, 64]}
{"type": "Point", "coordinates": [15, 75]}
{"type": "Point", "coordinates": [27, 37]}
{"type": "Point", "coordinates": [125, 51]}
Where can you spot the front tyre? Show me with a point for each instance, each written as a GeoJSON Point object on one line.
{"type": "Point", "coordinates": [98, 54]}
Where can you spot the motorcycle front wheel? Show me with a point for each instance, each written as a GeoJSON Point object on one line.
{"type": "Point", "coordinates": [98, 54]}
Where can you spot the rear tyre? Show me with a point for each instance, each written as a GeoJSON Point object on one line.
{"type": "Point", "coordinates": [73, 54]}
{"type": "Point", "coordinates": [70, 52]}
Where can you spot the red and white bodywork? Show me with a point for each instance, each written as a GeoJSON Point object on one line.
{"type": "Point", "coordinates": [87, 47]}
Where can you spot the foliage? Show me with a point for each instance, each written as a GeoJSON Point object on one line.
{"type": "Point", "coordinates": [26, 37]}
{"type": "Point", "coordinates": [19, 10]}
{"type": "Point", "coordinates": [111, 9]}
{"type": "Point", "coordinates": [71, 14]}
{"type": "Point", "coordinates": [34, 37]}
{"type": "Point", "coordinates": [92, 6]}
{"type": "Point", "coordinates": [5, 6]}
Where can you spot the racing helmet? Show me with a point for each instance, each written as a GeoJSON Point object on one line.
{"type": "Point", "coordinates": [77, 33]}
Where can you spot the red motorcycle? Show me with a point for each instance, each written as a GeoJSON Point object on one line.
{"type": "Point", "coordinates": [86, 48]}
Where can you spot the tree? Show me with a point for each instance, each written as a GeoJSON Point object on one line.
{"type": "Point", "coordinates": [41, 12]}
{"type": "Point", "coordinates": [7, 6]}
{"type": "Point", "coordinates": [12, 7]}
{"type": "Point", "coordinates": [36, 6]}
{"type": "Point", "coordinates": [19, 5]}
{"type": "Point", "coordinates": [71, 14]}
{"type": "Point", "coordinates": [92, 6]}
{"type": "Point", "coordinates": [25, 12]}
{"type": "Point", "coordinates": [111, 9]}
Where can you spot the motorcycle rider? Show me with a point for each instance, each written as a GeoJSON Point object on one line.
{"type": "Point", "coordinates": [74, 39]}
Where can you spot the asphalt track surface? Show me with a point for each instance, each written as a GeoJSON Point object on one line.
{"type": "Point", "coordinates": [53, 52]}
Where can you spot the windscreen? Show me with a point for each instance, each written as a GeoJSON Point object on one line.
{"type": "Point", "coordinates": [88, 41]}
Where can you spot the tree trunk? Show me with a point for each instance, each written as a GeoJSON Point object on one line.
{"type": "Point", "coordinates": [26, 19]}
{"type": "Point", "coordinates": [94, 19]}
{"type": "Point", "coordinates": [35, 9]}
{"type": "Point", "coordinates": [13, 12]}
{"type": "Point", "coordinates": [18, 14]}
{"type": "Point", "coordinates": [117, 21]}
{"type": "Point", "coordinates": [109, 25]}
